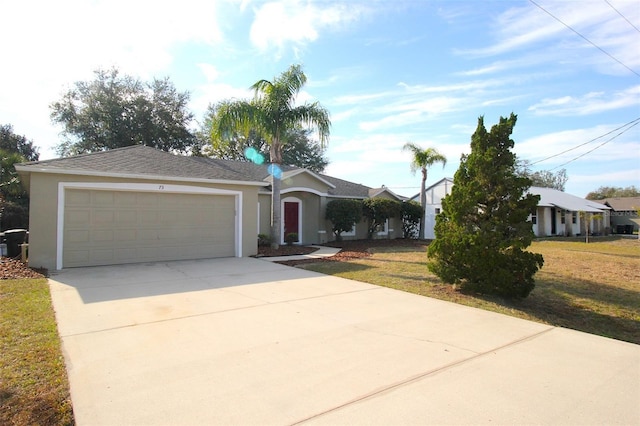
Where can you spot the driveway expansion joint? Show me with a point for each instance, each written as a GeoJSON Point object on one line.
{"type": "Point", "coordinates": [424, 374]}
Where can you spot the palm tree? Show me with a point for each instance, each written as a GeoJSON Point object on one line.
{"type": "Point", "coordinates": [272, 113]}
{"type": "Point", "coordinates": [422, 160]}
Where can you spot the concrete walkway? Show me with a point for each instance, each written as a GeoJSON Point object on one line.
{"type": "Point", "coordinates": [321, 252]}
{"type": "Point", "coordinates": [242, 341]}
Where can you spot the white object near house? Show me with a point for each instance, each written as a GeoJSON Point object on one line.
{"type": "Point", "coordinates": [558, 213]}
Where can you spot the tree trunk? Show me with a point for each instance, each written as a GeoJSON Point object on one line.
{"type": "Point", "coordinates": [276, 212]}
{"type": "Point", "coordinates": [276, 207]}
{"type": "Point", "coordinates": [423, 203]}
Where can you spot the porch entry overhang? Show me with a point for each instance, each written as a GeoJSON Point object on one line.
{"type": "Point", "coordinates": [582, 208]}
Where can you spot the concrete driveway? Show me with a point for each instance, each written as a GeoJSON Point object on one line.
{"type": "Point", "coordinates": [245, 341]}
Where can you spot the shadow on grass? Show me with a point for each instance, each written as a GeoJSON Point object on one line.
{"type": "Point", "coordinates": [45, 410]}
{"type": "Point", "coordinates": [558, 307]}
{"type": "Point", "coordinates": [591, 290]}
{"type": "Point", "coordinates": [334, 268]}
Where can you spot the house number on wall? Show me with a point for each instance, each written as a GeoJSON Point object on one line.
{"type": "Point", "coordinates": [160, 186]}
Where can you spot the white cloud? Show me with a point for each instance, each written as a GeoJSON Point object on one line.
{"type": "Point", "coordinates": [632, 175]}
{"type": "Point", "coordinates": [539, 33]}
{"type": "Point", "coordinates": [57, 43]}
{"type": "Point", "coordinates": [547, 145]}
{"type": "Point", "coordinates": [407, 113]}
{"type": "Point", "coordinates": [590, 103]}
{"type": "Point", "coordinates": [214, 90]}
{"type": "Point", "coordinates": [299, 22]}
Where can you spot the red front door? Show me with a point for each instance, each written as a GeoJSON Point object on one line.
{"type": "Point", "coordinates": [290, 218]}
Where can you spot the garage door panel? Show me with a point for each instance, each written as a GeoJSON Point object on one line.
{"type": "Point", "coordinates": [77, 218]}
{"type": "Point", "coordinates": [78, 198]}
{"type": "Point", "coordinates": [103, 198]}
{"type": "Point", "coordinates": [147, 199]}
{"type": "Point", "coordinates": [125, 235]}
{"type": "Point", "coordinates": [168, 218]}
{"type": "Point", "coordinates": [103, 217]}
{"type": "Point", "coordinates": [124, 198]}
{"type": "Point", "coordinates": [123, 254]}
{"type": "Point", "coordinates": [102, 236]}
{"type": "Point", "coordinates": [77, 256]}
{"type": "Point", "coordinates": [140, 227]}
{"type": "Point", "coordinates": [129, 217]}
{"type": "Point", "coordinates": [75, 236]}
{"type": "Point", "coordinates": [102, 255]}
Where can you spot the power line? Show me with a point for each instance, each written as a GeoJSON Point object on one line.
{"type": "Point", "coordinates": [583, 37]}
{"type": "Point", "coordinates": [634, 122]}
{"type": "Point", "coordinates": [623, 17]}
{"type": "Point", "coordinates": [599, 146]}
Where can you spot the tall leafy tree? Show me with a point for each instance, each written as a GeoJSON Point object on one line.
{"type": "Point", "coordinates": [613, 191]}
{"type": "Point", "coordinates": [298, 149]}
{"type": "Point", "coordinates": [482, 232]}
{"type": "Point", "coordinates": [421, 160]}
{"type": "Point", "coordinates": [14, 200]}
{"type": "Point", "coordinates": [272, 113]}
{"type": "Point", "coordinates": [114, 111]}
{"type": "Point", "coordinates": [12, 142]}
{"type": "Point", "coordinates": [543, 178]}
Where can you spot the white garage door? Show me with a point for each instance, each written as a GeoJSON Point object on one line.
{"type": "Point", "coordinates": [107, 227]}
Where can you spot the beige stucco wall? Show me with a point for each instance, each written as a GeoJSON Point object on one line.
{"type": "Point", "coordinates": [305, 180]}
{"type": "Point", "coordinates": [265, 214]}
{"type": "Point", "coordinates": [43, 212]}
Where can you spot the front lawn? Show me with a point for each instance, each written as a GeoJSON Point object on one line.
{"type": "Point", "coordinates": [591, 287]}
{"type": "Point", "coordinates": [33, 381]}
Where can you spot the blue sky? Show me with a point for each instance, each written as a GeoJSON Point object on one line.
{"type": "Point", "coordinates": [389, 72]}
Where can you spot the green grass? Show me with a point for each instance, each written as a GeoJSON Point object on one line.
{"type": "Point", "coordinates": [34, 388]}
{"type": "Point", "coordinates": [591, 287]}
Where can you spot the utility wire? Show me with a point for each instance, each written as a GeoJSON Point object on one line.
{"type": "Point", "coordinates": [633, 122]}
{"type": "Point", "coordinates": [590, 151]}
{"type": "Point", "coordinates": [623, 17]}
{"type": "Point", "coordinates": [583, 37]}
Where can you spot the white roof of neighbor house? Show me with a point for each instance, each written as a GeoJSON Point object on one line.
{"type": "Point", "coordinates": [553, 198]}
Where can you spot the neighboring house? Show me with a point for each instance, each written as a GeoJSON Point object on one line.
{"type": "Point", "coordinates": [624, 213]}
{"type": "Point", "coordinates": [139, 204]}
{"type": "Point", "coordinates": [434, 195]}
{"type": "Point", "coordinates": [558, 213]}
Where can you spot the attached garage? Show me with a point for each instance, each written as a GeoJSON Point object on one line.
{"type": "Point", "coordinates": [108, 223]}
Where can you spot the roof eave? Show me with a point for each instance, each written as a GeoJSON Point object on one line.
{"type": "Point", "coordinates": [22, 168]}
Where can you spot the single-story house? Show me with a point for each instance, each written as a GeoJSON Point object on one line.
{"type": "Point", "coordinates": [139, 204]}
{"type": "Point", "coordinates": [624, 213]}
{"type": "Point", "coordinates": [557, 212]}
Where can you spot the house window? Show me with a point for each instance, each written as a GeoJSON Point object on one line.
{"type": "Point", "coordinates": [563, 217]}
{"type": "Point", "coordinates": [384, 229]}
{"type": "Point", "coordinates": [574, 217]}
{"type": "Point", "coordinates": [534, 217]}
{"type": "Point", "coordinates": [351, 233]}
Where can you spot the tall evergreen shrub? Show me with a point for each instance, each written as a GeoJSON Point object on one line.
{"type": "Point", "coordinates": [483, 231]}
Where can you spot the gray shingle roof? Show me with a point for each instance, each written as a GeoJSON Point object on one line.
{"type": "Point", "coordinates": [143, 160]}
{"type": "Point", "coordinates": [146, 161]}
{"type": "Point", "coordinates": [344, 188]}
{"type": "Point", "coordinates": [621, 204]}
